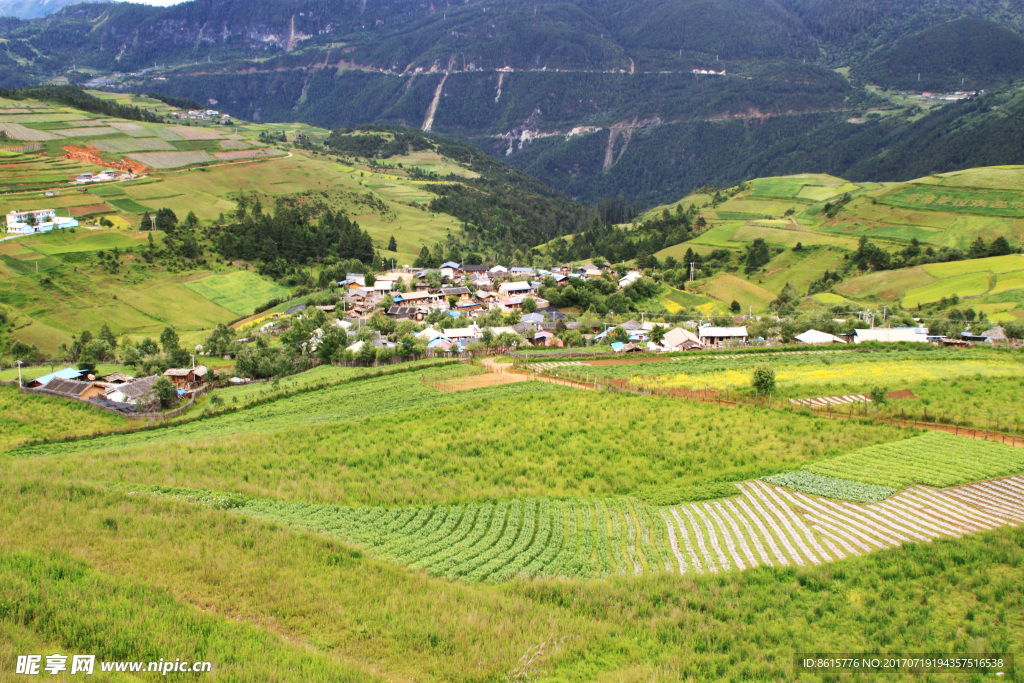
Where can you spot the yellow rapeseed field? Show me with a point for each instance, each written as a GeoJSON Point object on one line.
{"type": "Point", "coordinates": [885, 373]}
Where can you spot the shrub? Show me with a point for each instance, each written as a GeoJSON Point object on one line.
{"type": "Point", "coordinates": [763, 379]}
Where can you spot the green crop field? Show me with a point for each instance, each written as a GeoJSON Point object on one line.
{"type": "Point", "coordinates": [816, 373]}
{"type": "Point", "coordinates": [355, 523]}
{"type": "Point", "coordinates": [726, 287]}
{"type": "Point", "coordinates": [240, 291]}
{"type": "Point", "coordinates": [934, 459]}
{"type": "Point", "coordinates": [974, 201]}
{"type": "Point", "coordinates": [26, 418]}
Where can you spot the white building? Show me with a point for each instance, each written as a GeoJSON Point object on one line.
{"type": "Point", "coordinates": [40, 220]}
{"type": "Point", "coordinates": [891, 335]}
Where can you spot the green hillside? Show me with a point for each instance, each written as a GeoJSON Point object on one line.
{"type": "Point", "coordinates": [425, 191]}
{"type": "Point", "coordinates": [828, 216]}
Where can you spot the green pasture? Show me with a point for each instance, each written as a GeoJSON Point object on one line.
{"type": "Point", "coordinates": [990, 177]}
{"type": "Point", "coordinates": [994, 264]}
{"type": "Point", "coordinates": [726, 287]}
{"type": "Point", "coordinates": [1006, 282]}
{"type": "Point", "coordinates": [798, 268]}
{"type": "Point", "coordinates": [240, 291]}
{"type": "Point", "coordinates": [966, 200]}
{"type": "Point", "coordinates": [138, 301]}
{"type": "Point", "coordinates": [966, 285]}
{"type": "Point", "coordinates": [886, 285]}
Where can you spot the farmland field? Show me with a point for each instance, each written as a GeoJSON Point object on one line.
{"type": "Point", "coordinates": [974, 201]}
{"type": "Point", "coordinates": [848, 371]}
{"type": "Point", "coordinates": [327, 505]}
{"type": "Point", "coordinates": [171, 159]}
{"type": "Point", "coordinates": [934, 459]}
{"type": "Point", "coordinates": [443, 462]}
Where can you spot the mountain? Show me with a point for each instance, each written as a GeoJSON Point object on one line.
{"type": "Point", "coordinates": [33, 9]}
{"type": "Point", "coordinates": [595, 97]}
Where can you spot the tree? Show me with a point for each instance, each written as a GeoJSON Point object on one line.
{"type": "Point", "coordinates": [165, 392]}
{"type": "Point", "coordinates": [658, 334]}
{"type": "Point", "coordinates": [735, 306]}
{"type": "Point", "coordinates": [146, 223]}
{"type": "Point", "coordinates": [758, 254]}
{"type": "Point", "coordinates": [978, 249]}
{"type": "Point", "coordinates": [529, 305]}
{"type": "Point", "coordinates": [879, 396]}
{"type": "Point", "coordinates": [367, 354]}
{"type": "Point", "coordinates": [392, 244]}
{"type": "Point", "coordinates": [108, 336]}
{"type": "Point", "coordinates": [166, 220]}
{"type": "Point", "coordinates": [169, 340]}
{"type": "Point", "coordinates": [763, 379]}
{"type": "Point", "coordinates": [1000, 247]}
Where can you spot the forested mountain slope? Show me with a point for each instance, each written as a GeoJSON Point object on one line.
{"type": "Point", "coordinates": [573, 92]}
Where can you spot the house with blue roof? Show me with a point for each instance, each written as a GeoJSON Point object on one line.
{"type": "Point", "coordinates": [66, 373]}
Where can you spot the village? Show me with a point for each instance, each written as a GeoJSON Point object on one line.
{"type": "Point", "coordinates": [455, 310]}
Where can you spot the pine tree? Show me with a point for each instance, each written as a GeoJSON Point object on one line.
{"type": "Point", "coordinates": [146, 223]}
{"type": "Point", "coordinates": [392, 244]}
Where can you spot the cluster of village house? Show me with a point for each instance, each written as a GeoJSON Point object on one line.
{"type": "Point", "coordinates": [117, 391]}
{"type": "Point", "coordinates": [202, 115]}
{"type": "Point", "coordinates": [103, 177]}
{"type": "Point", "coordinates": [477, 289]}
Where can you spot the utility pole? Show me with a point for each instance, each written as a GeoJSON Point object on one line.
{"type": "Point", "coordinates": [692, 264]}
{"type": "Point", "coordinates": [19, 372]}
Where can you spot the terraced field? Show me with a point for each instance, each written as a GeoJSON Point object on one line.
{"type": "Point", "coordinates": [766, 525]}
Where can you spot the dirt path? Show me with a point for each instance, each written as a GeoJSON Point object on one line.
{"type": "Point", "coordinates": [506, 369]}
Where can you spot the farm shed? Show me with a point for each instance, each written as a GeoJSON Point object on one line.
{"type": "Point", "coordinates": [713, 336]}
{"type": "Point", "coordinates": [816, 337]}
{"type": "Point", "coordinates": [886, 335]}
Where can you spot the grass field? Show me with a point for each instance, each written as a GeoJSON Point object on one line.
{"type": "Point", "coordinates": [240, 291]}
{"type": "Point", "coordinates": [30, 417]}
{"type": "Point", "coordinates": [885, 285]}
{"type": "Point", "coordinates": [139, 300]}
{"type": "Point", "coordinates": [817, 374]}
{"type": "Point", "coordinates": [412, 446]}
{"type": "Point", "coordinates": [726, 287]}
{"type": "Point", "coordinates": [968, 285]}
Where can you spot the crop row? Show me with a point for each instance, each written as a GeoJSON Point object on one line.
{"type": "Point", "coordinates": [764, 525]}
{"type": "Point", "coordinates": [935, 459]}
